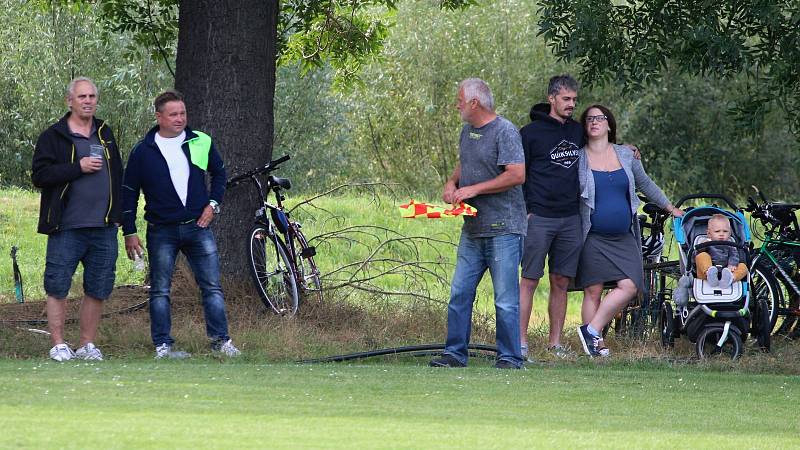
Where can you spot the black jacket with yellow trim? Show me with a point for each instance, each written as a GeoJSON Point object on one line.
{"type": "Point", "coordinates": [55, 166]}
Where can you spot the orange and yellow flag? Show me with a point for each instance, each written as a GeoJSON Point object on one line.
{"type": "Point", "coordinates": [414, 209]}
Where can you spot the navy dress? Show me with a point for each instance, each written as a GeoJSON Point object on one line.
{"type": "Point", "coordinates": [610, 251]}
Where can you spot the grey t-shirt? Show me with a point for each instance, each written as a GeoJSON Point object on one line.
{"type": "Point", "coordinates": [88, 196]}
{"type": "Point", "coordinates": [483, 154]}
{"type": "Point", "coordinates": [723, 255]}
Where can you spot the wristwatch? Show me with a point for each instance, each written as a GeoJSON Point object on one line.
{"type": "Point", "coordinates": [214, 206]}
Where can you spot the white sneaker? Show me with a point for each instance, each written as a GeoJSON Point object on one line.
{"type": "Point", "coordinates": [165, 351]}
{"type": "Point", "coordinates": [61, 353]}
{"type": "Point", "coordinates": [89, 352]}
{"type": "Point", "coordinates": [524, 353]}
{"type": "Point", "coordinates": [562, 351]}
{"type": "Point", "coordinates": [228, 349]}
{"type": "Point", "coordinates": [603, 350]}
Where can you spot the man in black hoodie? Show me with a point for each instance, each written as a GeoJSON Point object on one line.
{"type": "Point", "coordinates": [551, 142]}
{"type": "Point", "coordinates": [78, 167]}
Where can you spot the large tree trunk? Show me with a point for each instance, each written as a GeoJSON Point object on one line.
{"type": "Point", "coordinates": [226, 70]}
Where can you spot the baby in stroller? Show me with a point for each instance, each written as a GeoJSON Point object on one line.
{"type": "Point", "coordinates": [711, 303]}
{"type": "Point", "coordinates": [719, 265]}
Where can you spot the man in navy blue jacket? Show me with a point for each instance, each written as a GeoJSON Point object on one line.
{"type": "Point", "coordinates": [170, 165]}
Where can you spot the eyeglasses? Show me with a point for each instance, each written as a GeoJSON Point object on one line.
{"type": "Point", "coordinates": [600, 118]}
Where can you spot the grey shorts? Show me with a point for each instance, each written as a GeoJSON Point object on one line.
{"type": "Point", "coordinates": [559, 237]}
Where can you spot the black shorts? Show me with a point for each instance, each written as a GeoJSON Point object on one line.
{"type": "Point", "coordinates": [559, 237]}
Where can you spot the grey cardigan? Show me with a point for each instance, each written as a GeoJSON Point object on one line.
{"type": "Point", "coordinates": [637, 181]}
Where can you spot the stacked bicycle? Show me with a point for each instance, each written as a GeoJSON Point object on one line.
{"type": "Point", "coordinates": [640, 318]}
{"type": "Point", "coordinates": [775, 262]}
{"type": "Point", "coordinates": [281, 260]}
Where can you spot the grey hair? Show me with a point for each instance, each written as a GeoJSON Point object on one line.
{"type": "Point", "coordinates": [559, 82]}
{"type": "Point", "coordinates": [71, 85]}
{"type": "Point", "coordinates": [475, 88]}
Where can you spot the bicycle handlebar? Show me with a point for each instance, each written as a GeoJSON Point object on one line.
{"type": "Point", "coordinates": [775, 213]}
{"type": "Point", "coordinates": [266, 168]}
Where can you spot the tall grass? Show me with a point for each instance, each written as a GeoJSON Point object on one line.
{"type": "Point", "coordinates": [18, 220]}
{"type": "Point", "coordinates": [372, 228]}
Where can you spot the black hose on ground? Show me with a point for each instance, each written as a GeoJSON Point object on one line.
{"type": "Point", "coordinates": [422, 349]}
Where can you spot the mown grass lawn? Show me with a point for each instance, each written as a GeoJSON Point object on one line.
{"type": "Point", "coordinates": [204, 403]}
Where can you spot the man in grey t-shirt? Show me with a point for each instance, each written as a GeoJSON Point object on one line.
{"type": "Point", "coordinates": [489, 177]}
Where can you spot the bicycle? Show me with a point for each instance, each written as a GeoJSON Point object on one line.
{"type": "Point", "coordinates": [281, 260]}
{"type": "Point", "coordinates": [775, 262]}
{"type": "Point", "coordinates": [642, 315]}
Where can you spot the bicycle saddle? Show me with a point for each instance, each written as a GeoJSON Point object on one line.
{"type": "Point", "coordinates": [284, 183]}
{"type": "Point", "coordinates": [784, 211]}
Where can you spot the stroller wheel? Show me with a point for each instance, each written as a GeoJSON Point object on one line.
{"type": "Point", "coordinates": [707, 343]}
{"type": "Point", "coordinates": [761, 325]}
{"type": "Point", "coordinates": [667, 325]}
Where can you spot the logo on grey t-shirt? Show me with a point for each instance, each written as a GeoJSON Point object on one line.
{"type": "Point", "coordinates": [564, 154]}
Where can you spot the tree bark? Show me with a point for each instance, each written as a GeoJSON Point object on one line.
{"type": "Point", "coordinates": [226, 70]}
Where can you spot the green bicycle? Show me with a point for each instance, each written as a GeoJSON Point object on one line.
{"type": "Point", "coordinates": [774, 266]}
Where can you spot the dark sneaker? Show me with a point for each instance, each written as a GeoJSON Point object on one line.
{"type": "Point", "coordinates": [503, 364]}
{"type": "Point", "coordinates": [446, 361]}
{"type": "Point", "coordinates": [590, 342]}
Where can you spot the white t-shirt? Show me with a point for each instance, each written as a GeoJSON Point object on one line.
{"type": "Point", "coordinates": [177, 162]}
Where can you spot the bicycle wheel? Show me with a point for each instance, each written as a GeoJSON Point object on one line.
{"type": "Point", "coordinates": [667, 325]}
{"type": "Point", "coordinates": [707, 343]}
{"type": "Point", "coordinates": [761, 326]}
{"type": "Point", "coordinates": [789, 326]}
{"type": "Point", "coordinates": [307, 272]}
{"type": "Point", "coordinates": [765, 286]}
{"type": "Point", "coordinates": [272, 272]}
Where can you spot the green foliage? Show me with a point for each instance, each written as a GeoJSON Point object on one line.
{"type": "Point", "coordinates": [43, 50]}
{"type": "Point", "coordinates": [151, 24]}
{"type": "Point", "coordinates": [690, 144]}
{"type": "Point", "coordinates": [633, 42]}
{"type": "Point", "coordinates": [403, 118]}
{"type": "Point", "coordinates": [404, 127]}
{"type": "Point", "coordinates": [310, 125]}
{"type": "Point", "coordinates": [345, 34]}
{"type": "Point", "coordinates": [18, 219]}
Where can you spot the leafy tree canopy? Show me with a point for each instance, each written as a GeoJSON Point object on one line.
{"type": "Point", "coordinates": [344, 33]}
{"type": "Point", "coordinates": [634, 42]}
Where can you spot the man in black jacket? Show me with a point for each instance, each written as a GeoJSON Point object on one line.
{"type": "Point", "coordinates": [78, 167]}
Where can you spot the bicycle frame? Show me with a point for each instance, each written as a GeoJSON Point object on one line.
{"type": "Point", "coordinates": [764, 250]}
{"type": "Point", "coordinates": [262, 216]}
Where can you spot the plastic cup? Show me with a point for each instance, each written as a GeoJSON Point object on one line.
{"type": "Point", "coordinates": [96, 151]}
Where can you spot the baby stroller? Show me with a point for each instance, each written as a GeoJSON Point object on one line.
{"type": "Point", "coordinates": [716, 319]}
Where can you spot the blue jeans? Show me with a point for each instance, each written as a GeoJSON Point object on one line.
{"type": "Point", "coordinates": [95, 247]}
{"type": "Point", "coordinates": [200, 249]}
{"type": "Point", "coordinates": [501, 255]}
